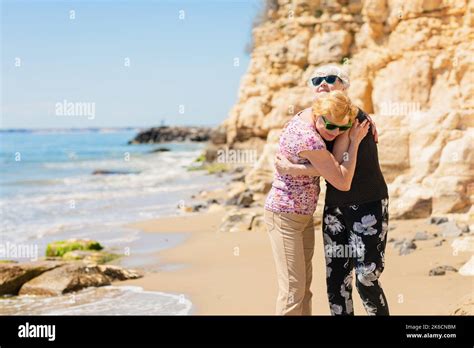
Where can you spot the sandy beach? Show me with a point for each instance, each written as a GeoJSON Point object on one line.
{"type": "Point", "coordinates": [233, 272]}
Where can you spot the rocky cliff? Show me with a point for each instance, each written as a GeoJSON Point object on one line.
{"type": "Point", "coordinates": [410, 64]}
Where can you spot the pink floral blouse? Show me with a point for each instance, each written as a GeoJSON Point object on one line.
{"type": "Point", "coordinates": [296, 194]}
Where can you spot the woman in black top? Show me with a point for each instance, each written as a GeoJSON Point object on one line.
{"type": "Point", "coordinates": [355, 222]}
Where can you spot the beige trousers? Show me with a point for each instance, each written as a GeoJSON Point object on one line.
{"type": "Point", "coordinates": [292, 240]}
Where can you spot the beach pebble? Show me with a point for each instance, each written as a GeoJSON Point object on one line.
{"type": "Point", "coordinates": [440, 242]}
{"type": "Point", "coordinates": [239, 178]}
{"type": "Point", "coordinates": [198, 207]}
{"type": "Point", "coordinates": [192, 208]}
{"type": "Point", "coordinates": [407, 247]}
{"type": "Point", "coordinates": [450, 229]}
{"type": "Point", "coordinates": [434, 220]}
{"type": "Point", "coordinates": [213, 201]}
{"type": "Point", "coordinates": [238, 170]}
{"type": "Point", "coordinates": [236, 221]}
{"type": "Point", "coordinates": [242, 199]}
{"type": "Point", "coordinates": [245, 199]}
{"type": "Point", "coordinates": [441, 270]}
{"type": "Point", "coordinates": [422, 235]}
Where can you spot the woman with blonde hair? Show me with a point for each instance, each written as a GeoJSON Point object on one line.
{"type": "Point", "coordinates": [292, 200]}
{"type": "Point", "coordinates": [355, 221]}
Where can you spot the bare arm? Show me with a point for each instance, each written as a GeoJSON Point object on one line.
{"type": "Point", "coordinates": [374, 129]}
{"type": "Point", "coordinates": [284, 166]}
{"type": "Point", "coordinates": [339, 174]}
{"type": "Point", "coordinates": [341, 146]}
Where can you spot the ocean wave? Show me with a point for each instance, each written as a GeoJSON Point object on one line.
{"type": "Point", "coordinates": [107, 300]}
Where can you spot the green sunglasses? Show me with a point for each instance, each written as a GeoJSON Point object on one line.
{"type": "Point", "coordinates": [332, 126]}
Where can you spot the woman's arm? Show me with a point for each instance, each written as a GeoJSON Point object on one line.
{"type": "Point", "coordinates": [341, 146]}
{"type": "Point", "coordinates": [374, 128]}
{"type": "Point", "coordinates": [339, 174]}
{"type": "Point", "coordinates": [284, 166]}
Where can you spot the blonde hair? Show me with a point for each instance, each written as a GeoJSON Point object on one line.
{"type": "Point", "coordinates": [335, 106]}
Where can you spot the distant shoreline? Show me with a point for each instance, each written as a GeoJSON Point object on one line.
{"type": "Point", "coordinates": [93, 129]}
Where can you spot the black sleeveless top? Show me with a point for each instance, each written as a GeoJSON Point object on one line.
{"type": "Point", "coordinates": [368, 184]}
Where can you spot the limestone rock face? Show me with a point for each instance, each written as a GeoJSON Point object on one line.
{"type": "Point", "coordinates": [410, 64]}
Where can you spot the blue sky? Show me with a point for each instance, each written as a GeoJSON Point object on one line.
{"type": "Point", "coordinates": [181, 70]}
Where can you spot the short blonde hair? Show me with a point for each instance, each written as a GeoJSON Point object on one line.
{"type": "Point", "coordinates": [336, 106]}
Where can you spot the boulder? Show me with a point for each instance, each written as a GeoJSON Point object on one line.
{"type": "Point", "coordinates": [242, 199]}
{"type": "Point", "coordinates": [406, 247]}
{"type": "Point", "coordinates": [65, 279]}
{"type": "Point", "coordinates": [237, 221]}
{"type": "Point", "coordinates": [115, 273]}
{"type": "Point", "coordinates": [422, 235]}
{"type": "Point", "coordinates": [434, 220]}
{"type": "Point", "coordinates": [450, 229]}
{"type": "Point", "coordinates": [14, 275]}
{"type": "Point", "coordinates": [441, 270]}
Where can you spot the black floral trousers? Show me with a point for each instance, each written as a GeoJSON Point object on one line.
{"type": "Point", "coordinates": [355, 237]}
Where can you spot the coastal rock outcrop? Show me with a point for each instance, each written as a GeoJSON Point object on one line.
{"type": "Point", "coordinates": [74, 277]}
{"type": "Point", "coordinates": [168, 134]}
{"type": "Point", "coordinates": [69, 265]}
{"type": "Point", "coordinates": [14, 275]}
{"type": "Point", "coordinates": [71, 277]}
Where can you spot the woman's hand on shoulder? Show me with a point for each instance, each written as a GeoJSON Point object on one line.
{"type": "Point", "coordinates": [359, 130]}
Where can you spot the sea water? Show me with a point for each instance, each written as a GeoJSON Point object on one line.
{"type": "Point", "coordinates": [48, 192]}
